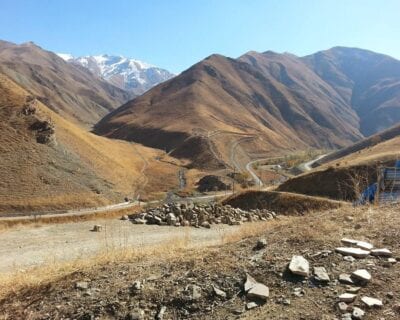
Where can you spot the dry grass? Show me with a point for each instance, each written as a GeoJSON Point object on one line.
{"type": "Point", "coordinates": [81, 170]}
{"type": "Point", "coordinates": [175, 249]}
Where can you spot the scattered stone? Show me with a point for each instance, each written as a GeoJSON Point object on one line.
{"type": "Point", "coordinates": [298, 292]}
{"type": "Point", "coordinates": [160, 314]}
{"type": "Point", "coordinates": [348, 241]}
{"type": "Point", "coordinates": [139, 221]}
{"type": "Point", "coordinates": [206, 224]}
{"type": "Point", "coordinates": [218, 292]}
{"type": "Point", "coordinates": [137, 286]}
{"type": "Point", "coordinates": [300, 266]}
{"type": "Point", "coordinates": [195, 292]}
{"type": "Point", "coordinates": [259, 291]}
{"type": "Point", "coordinates": [345, 278]}
{"type": "Point", "coordinates": [358, 313]}
{"type": "Point", "coordinates": [125, 217]}
{"type": "Point", "coordinates": [361, 275]}
{"type": "Point", "coordinates": [82, 285]}
{"type": "Point", "coordinates": [286, 302]}
{"type": "Point", "coordinates": [261, 244]}
{"type": "Point", "coordinates": [321, 274]}
{"type": "Point", "coordinates": [390, 295]}
{"type": "Point", "coordinates": [392, 260]}
{"type": "Point", "coordinates": [346, 316]}
{"type": "Point", "coordinates": [354, 252]}
{"type": "Point", "coordinates": [353, 289]}
{"type": "Point", "coordinates": [250, 282]}
{"type": "Point", "coordinates": [372, 302]}
{"type": "Point", "coordinates": [342, 306]}
{"type": "Point", "coordinates": [349, 258]}
{"type": "Point", "coordinates": [97, 228]}
{"type": "Point", "coordinates": [347, 297]}
{"type": "Point", "coordinates": [251, 305]}
{"type": "Point", "coordinates": [135, 315]}
{"type": "Point", "coordinates": [364, 245]}
{"type": "Point", "coordinates": [381, 252]}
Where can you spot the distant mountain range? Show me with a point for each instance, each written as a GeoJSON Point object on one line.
{"type": "Point", "coordinates": [273, 102]}
{"type": "Point", "coordinates": [126, 73]}
{"type": "Point", "coordinates": [71, 91]}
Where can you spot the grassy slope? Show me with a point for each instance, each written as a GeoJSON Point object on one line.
{"type": "Point", "coordinates": [345, 173]}
{"type": "Point", "coordinates": [82, 169]}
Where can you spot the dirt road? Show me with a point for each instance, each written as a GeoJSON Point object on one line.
{"type": "Point", "coordinates": [25, 247]}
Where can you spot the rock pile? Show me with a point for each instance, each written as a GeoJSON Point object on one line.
{"type": "Point", "coordinates": [199, 215]}
{"type": "Point", "coordinates": [45, 132]}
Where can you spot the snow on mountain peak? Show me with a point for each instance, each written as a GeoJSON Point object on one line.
{"type": "Point", "coordinates": [126, 73]}
{"type": "Point", "coordinates": [66, 56]}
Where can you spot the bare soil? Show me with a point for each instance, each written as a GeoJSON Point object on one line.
{"type": "Point", "coordinates": [166, 279]}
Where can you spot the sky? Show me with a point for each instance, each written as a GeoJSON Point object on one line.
{"type": "Point", "coordinates": [175, 34]}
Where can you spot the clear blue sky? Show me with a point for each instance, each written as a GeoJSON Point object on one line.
{"type": "Point", "coordinates": [175, 34]}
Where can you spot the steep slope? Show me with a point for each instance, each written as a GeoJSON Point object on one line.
{"type": "Point", "coordinates": [367, 81]}
{"type": "Point", "coordinates": [345, 173]}
{"type": "Point", "coordinates": [47, 162]}
{"type": "Point", "coordinates": [385, 144]}
{"type": "Point", "coordinates": [128, 74]}
{"type": "Point", "coordinates": [72, 92]}
{"type": "Point", "coordinates": [239, 97]}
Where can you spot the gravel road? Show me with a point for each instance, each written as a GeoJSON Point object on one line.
{"type": "Point", "coordinates": [25, 247]}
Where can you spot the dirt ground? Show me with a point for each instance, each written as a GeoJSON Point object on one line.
{"type": "Point", "coordinates": [167, 279]}
{"type": "Point", "coordinates": [25, 247]}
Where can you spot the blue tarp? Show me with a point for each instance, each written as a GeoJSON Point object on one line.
{"type": "Point", "coordinates": [369, 194]}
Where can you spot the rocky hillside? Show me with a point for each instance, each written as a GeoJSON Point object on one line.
{"type": "Point", "coordinates": [126, 73]}
{"type": "Point", "coordinates": [49, 163]}
{"type": "Point", "coordinates": [72, 92]}
{"type": "Point", "coordinates": [270, 102]}
{"type": "Point", "coordinates": [336, 264]}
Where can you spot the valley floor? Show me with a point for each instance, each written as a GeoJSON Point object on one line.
{"type": "Point", "coordinates": [180, 279]}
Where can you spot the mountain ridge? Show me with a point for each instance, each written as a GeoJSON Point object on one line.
{"type": "Point", "coordinates": [286, 101]}
{"type": "Point", "coordinates": [126, 73]}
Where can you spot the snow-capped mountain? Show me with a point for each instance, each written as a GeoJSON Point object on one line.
{"type": "Point", "coordinates": [126, 73]}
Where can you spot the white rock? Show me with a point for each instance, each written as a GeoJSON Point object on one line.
{"type": "Point", "coordinates": [392, 260]}
{"type": "Point", "coordinates": [361, 274]}
{"type": "Point", "coordinates": [372, 302]}
{"type": "Point", "coordinates": [349, 258]}
{"type": "Point", "coordinates": [321, 274]}
{"type": "Point", "coordinates": [345, 278]}
{"type": "Point", "coordinates": [358, 313]}
{"type": "Point", "coordinates": [250, 282]}
{"type": "Point", "coordinates": [219, 292]}
{"type": "Point", "coordinates": [300, 266]}
{"type": "Point", "coordinates": [384, 252]}
{"type": "Point", "coordinates": [251, 305]}
{"type": "Point", "coordinates": [342, 306]}
{"type": "Point", "coordinates": [358, 243]}
{"type": "Point", "coordinates": [259, 291]}
{"type": "Point", "coordinates": [347, 297]}
{"type": "Point", "coordinates": [364, 245]}
{"type": "Point", "coordinates": [354, 252]}
{"type": "Point", "coordinates": [353, 289]}
{"type": "Point", "coordinates": [349, 241]}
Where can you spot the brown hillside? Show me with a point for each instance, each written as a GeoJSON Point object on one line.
{"type": "Point", "coordinates": [276, 99]}
{"type": "Point", "coordinates": [70, 91]}
{"type": "Point", "coordinates": [345, 173]}
{"type": "Point", "coordinates": [367, 81]}
{"type": "Point", "coordinates": [56, 164]}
